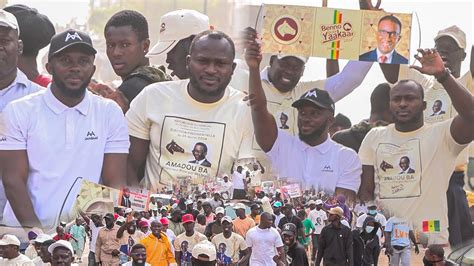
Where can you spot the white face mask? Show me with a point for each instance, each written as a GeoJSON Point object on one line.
{"type": "Point", "coordinates": [369, 229]}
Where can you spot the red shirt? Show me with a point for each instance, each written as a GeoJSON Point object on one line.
{"type": "Point", "coordinates": [66, 237]}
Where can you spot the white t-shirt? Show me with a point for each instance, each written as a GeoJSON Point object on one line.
{"type": "Point", "coordinates": [21, 260]}
{"type": "Point", "coordinates": [75, 139]}
{"type": "Point", "coordinates": [226, 187]}
{"type": "Point", "coordinates": [238, 180]}
{"type": "Point", "coordinates": [326, 166]}
{"type": "Point", "coordinates": [263, 243]}
{"type": "Point", "coordinates": [20, 87]}
{"type": "Point", "coordinates": [94, 234]}
{"type": "Point", "coordinates": [432, 151]}
{"type": "Point", "coordinates": [175, 123]}
{"type": "Point", "coordinates": [171, 237]}
{"type": "Point", "coordinates": [434, 91]}
{"type": "Point", "coordinates": [318, 217]}
{"type": "Point", "coordinates": [232, 245]}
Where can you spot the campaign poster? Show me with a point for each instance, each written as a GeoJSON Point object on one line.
{"type": "Point", "coordinates": [291, 191]}
{"type": "Point", "coordinates": [337, 33]}
{"type": "Point", "coordinates": [363, 35]}
{"type": "Point", "coordinates": [399, 170]}
{"type": "Point", "coordinates": [190, 148]}
{"type": "Point", "coordinates": [288, 29]}
{"type": "Point", "coordinates": [135, 198]}
{"type": "Point", "coordinates": [94, 198]}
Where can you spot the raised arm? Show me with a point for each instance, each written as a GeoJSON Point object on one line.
{"type": "Point", "coordinates": [15, 178]}
{"type": "Point", "coordinates": [461, 98]}
{"type": "Point", "coordinates": [264, 123]}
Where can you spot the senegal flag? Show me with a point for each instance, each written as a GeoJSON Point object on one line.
{"type": "Point", "coordinates": [431, 226]}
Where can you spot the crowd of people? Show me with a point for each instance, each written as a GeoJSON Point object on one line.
{"type": "Point", "coordinates": [367, 188]}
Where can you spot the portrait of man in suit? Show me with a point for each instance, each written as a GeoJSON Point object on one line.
{"type": "Point", "coordinates": [199, 153]}
{"type": "Point", "coordinates": [405, 166]}
{"type": "Point", "coordinates": [125, 201]}
{"type": "Point", "coordinates": [283, 121]}
{"type": "Point", "coordinates": [388, 36]}
{"type": "Point", "coordinates": [437, 105]}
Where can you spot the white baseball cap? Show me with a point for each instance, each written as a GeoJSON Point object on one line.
{"type": "Point", "coordinates": [7, 19]}
{"type": "Point", "coordinates": [220, 210]}
{"type": "Point", "coordinates": [60, 243]}
{"type": "Point", "coordinates": [455, 33]}
{"type": "Point", "coordinates": [205, 248]}
{"type": "Point", "coordinates": [189, 201]}
{"type": "Point", "coordinates": [177, 25]}
{"type": "Point", "coordinates": [11, 240]}
{"type": "Point", "coordinates": [319, 202]}
{"type": "Point", "coordinates": [41, 238]}
{"type": "Point", "coordinates": [239, 206]}
{"type": "Point", "coordinates": [302, 58]}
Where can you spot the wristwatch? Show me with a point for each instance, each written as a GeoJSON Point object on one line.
{"type": "Point", "coordinates": [443, 77]}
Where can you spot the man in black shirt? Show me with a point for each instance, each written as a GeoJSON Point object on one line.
{"type": "Point", "coordinates": [295, 252]}
{"type": "Point", "coordinates": [127, 40]}
{"type": "Point", "coordinates": [287, 210]}
{"type": "Point", "coordinates": [335, 242]}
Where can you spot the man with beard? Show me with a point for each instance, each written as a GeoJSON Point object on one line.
{"type": "Point", "coordinates": [85, 134]}
{"type": "Point", "coordinates": [128, 234]}
{"type": "Point", "coordinates": [206, 103]}
{"type": "Point", "coordinates": [312, 158]}
{"type": "Point", "coordinates": [230, 245]}
{"type": "Point", "coordinates": [108, 245]}
{"type": "Point", "coordinates": [158, 246]}
{"type": "Point", "coordinates": [296, 253]}
{"type": "Point", "coordinates": [138, 254]}
{"type": "Point", "coordinates": [14, 84]}
{"type": "Point", "coordinates": [127, 42]}
{"type": "Point", "coordinates": [434, 148]}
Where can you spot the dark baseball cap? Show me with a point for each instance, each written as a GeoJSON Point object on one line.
{"type": "Point", "coordinates": [109, 216]}
{"type": "Point", "coordinates": [317, 97]}
{"type": "Point", "coordinates": [289, 228]}
{"type": "Point", "coordinates": [36, 29]}
{"type": "Point", "coordinates": [69, 38]}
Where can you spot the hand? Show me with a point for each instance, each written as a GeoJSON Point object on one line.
{"type": "Point", "coordinates": [115, 253]}
{"type": "Point", "coordinates": [253, 53]}
{"type": "Point", "coordinates": [367, 5]}
{"type": "Point", "coordinates": [417, 251]}
{"type": "Point", "coordinates": [431, 62]}
{"type": "Point", "coordinates": [109, 93]}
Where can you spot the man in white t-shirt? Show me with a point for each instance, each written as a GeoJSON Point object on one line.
{"type": "Point", "coordinates": [432, 149]}
{"type": "Point", "coordinates": [226, 188]}
{"type": "Point", "coordinates": [320, 219]}
{"type": "Point", "coordinates": [164, 136]}
{"type": "Point", "coordinates": [13, 83]}
{"type": "Point", "coordinates": [11, 252]}
{"type": "Point", "coordinates": [239, 183]}
{"type": "Point", "coordinates": [86, 137]}
{"type": "Point", "coordinates": [265, 243]}
{"type": "Point", "coordinates": [312, 158]}
{"type": "Point", "coordinates": [230, 245]}
{"type": "Point", "coordinates": [451, 45]}
{"type": "Point", "coordinates": [184, 243]}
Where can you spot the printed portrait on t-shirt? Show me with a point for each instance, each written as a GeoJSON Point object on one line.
{"type": "Point", "coordinates": [199, 153]}
{"type": "Point", "coordinates": [222, 258]}
{"type": "Point", "coordinates": [438, 105]}
{"type": "Point", "coordinates": [398, 169]}
{"type": "Point", "coordinates": [190, 148]}
{"type": "Point", "coordinates": [405, 165]}
{"type": "Point", "coordinates": [283, 121]}
{"type": "Point", "coordinates": [185, 253]}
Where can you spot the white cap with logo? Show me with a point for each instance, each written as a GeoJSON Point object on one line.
{"type": "Point", "coordinates": [8, 20]}
{"type": "Point", "coordinates": [177, 25]}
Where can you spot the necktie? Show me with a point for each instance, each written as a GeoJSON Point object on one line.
{"type": "Point", "coordinates": [382, 59]}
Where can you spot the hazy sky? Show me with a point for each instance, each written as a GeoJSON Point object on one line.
{"type": "Point", "coordinates": [433, 16]}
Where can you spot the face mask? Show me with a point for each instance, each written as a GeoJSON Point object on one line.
{"type": "Point", "coordinates": [369, 229]}
{"type": "Point", "coordinates": [372, 212]}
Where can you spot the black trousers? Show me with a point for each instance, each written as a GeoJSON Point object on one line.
{"type": "Point", "coordinates": [460, 228]}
